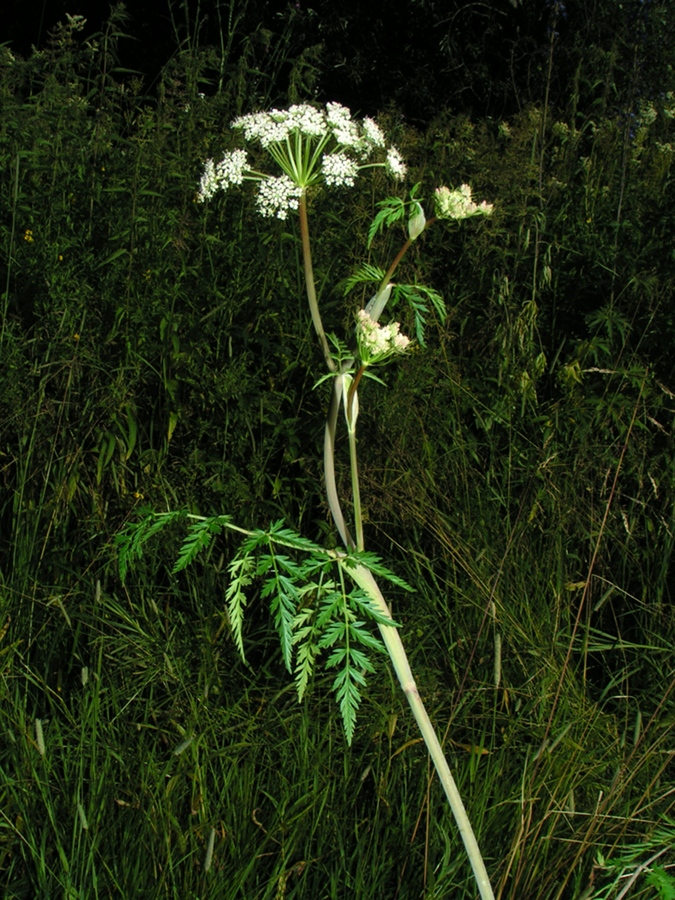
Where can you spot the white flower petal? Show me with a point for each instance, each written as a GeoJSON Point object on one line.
{"type": "Point", "coordinates": [276, 196]}
{"type": "Point", "coordinates": [395, 165]}
{"type": "Point", "coordinates": [339, 170]}
{"type": "Point", "coordinates": [458, 204]}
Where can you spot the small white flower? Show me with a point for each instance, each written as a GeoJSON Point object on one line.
{"type": "Point", "coordinates": [337, 115]}
{"type": "Point", "coordinates": [208, 184]}
{"type": "Point", "coordinates": [345, 132]}
{"type": "Point", "coordinates": [458, 204]}
{"type": "Point", "coordinates": [276, 196]}
{"type": "Point", "coordinates": [377, 342]}
{"type": "Point", "coordinates": [395, 165]}
{"type": "Point", "coordinates": [275, 126]}
{"type": "Point", "coordinates": [308, 120]}
{"type": "Point", "coordinates": [269, 128]}
{"type": "Point", "coordinates": [401, 341]}
{"type": "Point", "coordinates": [373, 133]}
{"type": "Point", "coordinates": [339, 170]}
{"type": "Point", "coordinates": [230, 170]}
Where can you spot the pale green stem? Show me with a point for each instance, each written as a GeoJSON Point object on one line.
{"type": "Point", "coordinates": [309, 281]}
{"type": "Point", "coordinates": [399, 256]}
{"type": "Point", "coordinates": [392, 640]}
{"type": "Point", "coordinates": [364, 578]}
{"type": "Point", "coordinates": [356, 491]}
{"type": "Point", "coordinates": [329, 463]}
{"type": "Point", "coordinates": [352, 406]}
{"type": "Point", "coordinates": [331, 423]}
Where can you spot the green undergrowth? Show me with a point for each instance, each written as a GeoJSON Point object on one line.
{"type": "Point", "coordinates": [118, 782]}
{"type": "Point", "coordinates": [518, 471]}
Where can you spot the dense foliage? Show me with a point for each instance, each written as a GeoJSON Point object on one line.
{"type": "Point", "coordinates": [518, 471]}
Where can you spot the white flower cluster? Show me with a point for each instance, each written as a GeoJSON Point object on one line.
{"type": "Point", "coordinates": [297, 140]}
{"type": "Point", "coordinates": [373, 133]}
{"type": "Point", "coordinates": [458, 204]}
{"type": "Point", "coordinates": [377, 342]}
{"type": "Point", "coordinates": [275, 126]}
{"type": "Point", "coordinates": [230, 170]}
{"type": "Point", "coordinates": [395, 165]}
{"type": "Point", "coordinates": [276, 196]}
{"type": "Point", "coordinates": [339, 170]}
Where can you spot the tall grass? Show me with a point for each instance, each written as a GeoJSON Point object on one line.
{"type": "Point", "coordinates": [518, 472]}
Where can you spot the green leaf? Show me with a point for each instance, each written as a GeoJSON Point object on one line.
{"type": "Point", "coordinates": [367, 274]}
{"type": "Point", "coordinates": [289, 538]}
{"type": "Point", "coordinates": [373, 562]}
{"type": "Point", "coordinates": [392, 210]}
{"type": "Point", "coordinates": [198, 538]}
{"type": "Point", "coordinates": [307, 649]}
{"type": "Point", "coordinates": [334, 632]}
{"type": "Point", "coordinates": [358, 632]}
{"type": "Point", "coordinates": [418, 298]}
{"type": "Point", "coordinates": [241, 571]}
{"type": "Point", "coordinates": [131, 539]}
{"type": "Point", "coordinates": [663, 882]}
{"type": "Point", "coordinates": [346, 687]}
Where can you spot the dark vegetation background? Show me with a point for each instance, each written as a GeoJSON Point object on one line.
{"type": "Point", "coordinates": [519, 471]}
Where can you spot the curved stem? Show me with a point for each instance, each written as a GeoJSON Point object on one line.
{"type": "Point", "coordinates": [399, 256]}
{"type": "Point", "coordinates": [392, 640]}
{"type": "Point", "coordinates": [331, 421]}
{"type": "Point", "coordinates": [309, 281]}
{"type": "Point", "coordinates": [329, 465]}
{"type": "Point", "coordinates": [362, 576]}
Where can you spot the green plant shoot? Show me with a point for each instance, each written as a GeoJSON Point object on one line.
{"type": "Point", "coordinates": [323, 601]}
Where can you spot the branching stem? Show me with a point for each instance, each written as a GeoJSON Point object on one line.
{"type": "Point", "coordinates": [362, 576]}
{"type": "Point", "coordinates": [399, 256]}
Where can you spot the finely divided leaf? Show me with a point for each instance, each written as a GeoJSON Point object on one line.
{"type": "Point", "coordinates": [418, 298]}
{"type": "Point", "coordinates": [373, 562]}
{"type": "Point", "coordinates": [198, 538]}
{"type": "Point", "coordinates": [391, 210]}
{"type": "Point", "coordinates": [286, 537]}
{"type": "Point", "coordinates": [241, 571]}
{"type": "Point", "coordinates": [130, 541]}
{"type": "Point", "coordinates": [367, 274]}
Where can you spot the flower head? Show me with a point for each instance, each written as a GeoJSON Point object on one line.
{"type": "Point", "coordinates": [395, 165]}
{"type": "Point", "coordinates": [377, 342]}
{"type": "Point", "coordinates": [230, 170]}
{"type": "Point", "coordinates": [339, 169]}
{"type": "Point", "coordinates": [344, 130]}
{"type": "Point", "coordinates": [458, 204]}
{"type": "Point", "coordinates": [309, 145]}
{"type": "Point", "coordinates": [276, 196]}
{"type": "Point", "coordinates": [372, 133]}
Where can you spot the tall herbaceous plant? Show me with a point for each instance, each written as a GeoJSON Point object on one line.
{"type": "Point", "coordinates": [323, 601]}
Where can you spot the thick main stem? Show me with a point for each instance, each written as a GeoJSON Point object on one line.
{"type": "Point", "coordinates": [392, 640]}
{"type": "Point", "coordinates": [364, 578]}
{"type": "Point", "coordinates": [331, 423]}
{"type": "Point", "coordinates": [309, 281]}
{"type": "Point", "coordinates": [356, 491]}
